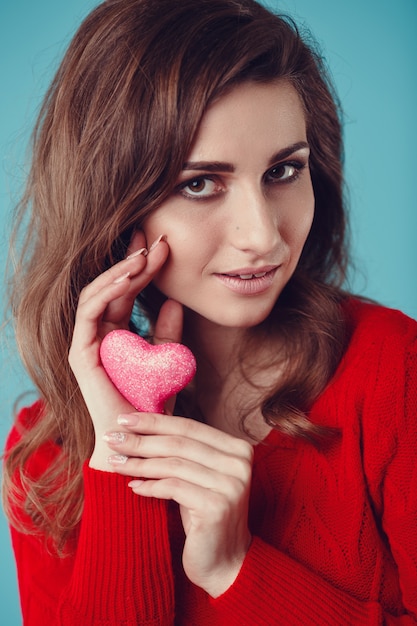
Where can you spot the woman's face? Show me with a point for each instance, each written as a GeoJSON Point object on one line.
{"type": "Point", "coordinates": [242, 208]}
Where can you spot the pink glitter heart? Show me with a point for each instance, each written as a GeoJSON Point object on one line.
{"type": "Point", "coordinates": [146, 375]}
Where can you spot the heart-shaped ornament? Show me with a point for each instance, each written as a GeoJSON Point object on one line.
{"type": "Point", "coordinates": [146, 375]}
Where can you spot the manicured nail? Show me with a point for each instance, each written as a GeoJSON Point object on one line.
{"type": "Point", "coordinates": [121, 278]}
{"type": "Point", "coordinates": [135, 483]}
{"type": "Point", "coordinates": [127, 420]}
{"type": "Point", "coordinates": [117, 459]}
{"type": "Point", "coordinates": [155, 243]}
{"type": "Point", "coordinates": [115, 438]}
{"type": "Point", "coordinates": [142, 251]}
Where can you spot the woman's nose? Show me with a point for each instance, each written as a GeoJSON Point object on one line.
{"type": "Point", "coordinates": [254, 223]}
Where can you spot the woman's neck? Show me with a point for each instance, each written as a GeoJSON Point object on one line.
{"type": "Point", "coordinates": [224, 391]}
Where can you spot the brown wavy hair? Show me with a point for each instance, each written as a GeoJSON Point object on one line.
{"type": "Point", "coordinates": [115, 128]}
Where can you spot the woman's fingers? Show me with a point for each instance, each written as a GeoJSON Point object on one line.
{"type": "Point", "coordinates": [179, 470]}
{"type": "Point", "coordinates": [169, 452]}
{"type": "Point", "coordinates": [104, 305]}
{"type": "Point", "coordinates": [192, 495]}
{"type": "Point", "coordinates": [119, 310]}
{"type": "Point", "coordinates": [130, 265]}
{"type": "Point", "coordinates": [207, 472]}
{"type": "Point", "coordinates": [90, 312]}
{"type": "Point", "coordinates": [110, 297]}
{"type": "Point", "coordinates": [184, 428]}
{"type": "Point", "coordinates": [183, 450]}
{"type": "Point", "coordinates": [136, 271]}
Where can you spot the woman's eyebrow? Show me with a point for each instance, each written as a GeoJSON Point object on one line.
{"type": "Point", "coordinates": [288, 151]}
{"type": "Point", "coordinates": [219, 166]}
{"type": "Point", "coordinates": [209, 166]}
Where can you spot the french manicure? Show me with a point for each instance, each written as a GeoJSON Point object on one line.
{"type": "Point", "coordinates": [135, 483]}
{"type": "Point", "coordinates": [121, 278]}
{"type": "Point", "coordinates": [142, 251]}
{"type": "Point", "coordinates": [155, 243]}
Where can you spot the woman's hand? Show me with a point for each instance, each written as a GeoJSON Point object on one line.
{"type": "Point", "coordinates": [203, 469]}
{"type": "Point", "coordinates": [207, 472]}
{"type": "Point", "coordinates": [104, 305]}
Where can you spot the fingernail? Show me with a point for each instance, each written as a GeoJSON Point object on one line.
{"type": "Point", "coordinates": [135, 483]}
{"type": "Point", "coordinates": [121, 278]}
{"type": "Point", "coordinates": [117, 459]}
{"type": "Point", "coordinates": [155, 243]}
{"type": "Point", "coordinates": [127, 420]}
{"type": "Point", "coordinates": [114, 437]}
{"type": "Point", "coordinates": [142, 251]}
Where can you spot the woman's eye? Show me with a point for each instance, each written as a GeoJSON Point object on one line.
{"type": "Point", "coordinates": [199, 188]}
{"type": "Point", "coordinates": [285, 172]}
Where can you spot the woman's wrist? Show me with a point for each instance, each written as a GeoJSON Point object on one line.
{"type": "Point", "coordinates": [222, 581]}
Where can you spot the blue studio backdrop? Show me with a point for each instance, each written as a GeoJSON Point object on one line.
{"type": "Point", "coordinates": [371, 50]}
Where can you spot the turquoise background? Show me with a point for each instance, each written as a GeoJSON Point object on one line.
{"type": "Point", "coordinates": [371, 49]}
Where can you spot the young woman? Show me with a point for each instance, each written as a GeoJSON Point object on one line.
{"type": "Point", "coordinates": [187, 169]}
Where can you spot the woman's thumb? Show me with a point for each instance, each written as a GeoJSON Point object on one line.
{"type": "Point", "coordinates": [168, 329]}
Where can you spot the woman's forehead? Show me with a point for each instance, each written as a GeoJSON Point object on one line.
{"type": "Point", "coordinates": [249, 114]}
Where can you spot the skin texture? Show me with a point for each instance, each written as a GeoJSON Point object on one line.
{"type": "Point", "coordinates": [251, 215]}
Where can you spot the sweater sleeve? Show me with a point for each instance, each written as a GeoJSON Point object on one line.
{"type": "Point", "coordinates": [122, 570]}
{"type": "Point", "coordinates": [119, 571]}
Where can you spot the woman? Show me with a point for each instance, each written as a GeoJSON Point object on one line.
{"type": "Point", "coordinates": [188, 158]}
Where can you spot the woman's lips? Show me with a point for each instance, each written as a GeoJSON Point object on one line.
{"type": "Point", "coordinates": [249, 282]}
{"type": "Point", "coordinates": [249, 276]}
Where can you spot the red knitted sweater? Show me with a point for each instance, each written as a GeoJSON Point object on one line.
{"type": "Point", "coordinates": [334, 530]}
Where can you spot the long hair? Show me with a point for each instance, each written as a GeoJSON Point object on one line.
{"type": "Point", "coordinates": [115, 128]}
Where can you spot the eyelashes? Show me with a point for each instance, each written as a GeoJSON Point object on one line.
{"type": "Point", "coordinates": [201, 187]}
{"type": "Point", "coordinates": [208, 186]}
{"type": "Point", "coordinates": [284, 172]}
